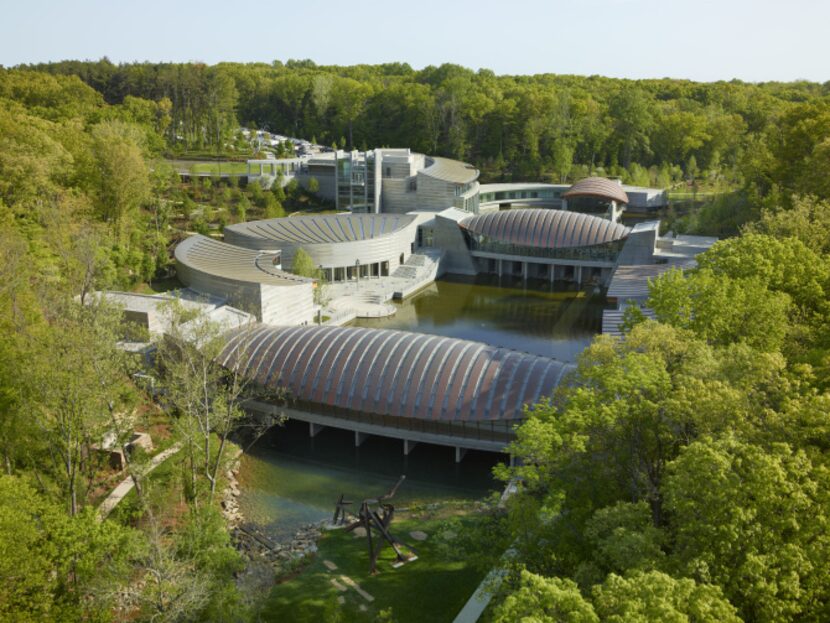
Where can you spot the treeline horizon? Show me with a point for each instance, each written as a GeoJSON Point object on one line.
{"type": "Point", "coordinates": [514, 128]}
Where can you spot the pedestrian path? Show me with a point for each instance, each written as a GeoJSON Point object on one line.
{"type": "Point", "coordinates": [126, 485]}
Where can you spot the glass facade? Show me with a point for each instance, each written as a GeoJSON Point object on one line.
{"type": "Point", "coordinates": [508, 195]}
{"type": "Point", "coordinates": [356, 182]}
{"type": "Point", "coordinates": [607, 252]}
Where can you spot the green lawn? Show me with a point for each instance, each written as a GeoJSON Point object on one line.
{"type": "Point", "coordinates": [433, 588]}
{"type": "Point", "coordinates": [224, 167]}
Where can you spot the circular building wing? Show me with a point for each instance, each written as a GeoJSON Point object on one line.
{"type": "Point", "coordinates": [598, 188]}
{"type": "Point", "coordinates": [549, 229]}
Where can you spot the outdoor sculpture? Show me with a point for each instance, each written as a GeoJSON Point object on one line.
{"type": "Point", "coordinates": [375, 514]}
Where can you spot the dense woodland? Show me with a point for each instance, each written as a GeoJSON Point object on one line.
{"type": "Point", "coordinates": [684, 477]}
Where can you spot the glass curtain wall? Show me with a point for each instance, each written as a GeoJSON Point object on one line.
{"type": "Point", "coordinates": [356, 182]}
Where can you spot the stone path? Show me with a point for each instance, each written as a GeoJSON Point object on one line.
{"type": "Point", "coordinates": [126, 485]}
{"type": "Point", "coordinates": [330, 565]}
{"type": "Point", "coordinates": [418, 535]}
{"type": "Point", "coordinates": [354, 585]}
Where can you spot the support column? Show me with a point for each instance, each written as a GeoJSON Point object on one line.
{"type": "Point", "coordinates": [578, 274]}
{"type": "Point", "coordinates": [359, 438]}
{"type": "Point", "coordinates": [459, 453]}
{"type": "Point", "coordinates": [500, 267]}
{"type": "Point", "coordinates": [314, 429]}
{"type": "Point", "coordinates": [525, 268]}
{"type": "Point", "coordinates": [408, 445]}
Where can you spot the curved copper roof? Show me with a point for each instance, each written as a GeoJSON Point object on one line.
{"type": "Point", "coordinates": [450, 170]}
{"type": "Point", "coordinates": [395, 373]}
{"type": "Point", "coordinates": [227, 261]}
{"type": "Point", "coordinates": [549, 229]}
{"type": "Point", "coordinates": [599, 187]}
{"type": "Point", "coordinates": [321, 228]}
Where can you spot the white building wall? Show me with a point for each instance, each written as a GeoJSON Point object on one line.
{"type": "Point", "coordinates": [387, 248]}
{"type": "Point", "coordinates": [435, 194]}
{"type": "Point", "coordinates": [293, 305]}
{"type": "Point", "coordinates": [396, 197]}
{"type": "Point", "coordinates": [241, 294]}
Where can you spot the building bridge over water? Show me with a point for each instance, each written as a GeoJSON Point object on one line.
{"type": "Point", "coordinates": [410, 386]}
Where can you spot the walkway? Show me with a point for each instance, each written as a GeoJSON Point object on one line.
{"type": "Point", "coordinates": [480, 599]}
{"type": "Point", "coordinates": [369, 297]}
{"type": "Point", "coordinates": [126, 485]}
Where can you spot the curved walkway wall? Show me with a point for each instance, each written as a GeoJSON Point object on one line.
{"type": "Point", "coordinates": [395, 373]}
{"type": "Point", "coordinates": [246, 279]}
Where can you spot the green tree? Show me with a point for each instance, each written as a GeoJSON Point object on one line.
{"type": "Point", "coordinates": [752, 520]}
{"type": "Point", "coordinates": [720, 309]}
{"type": "Point", "coordinates": [55, 567]}
{"type": "Point", "coordinates": [121, 174]}
{"type": "Point", "coordinates": [545, 600]}
{"type": "Point", "coordinates": [655, 596]}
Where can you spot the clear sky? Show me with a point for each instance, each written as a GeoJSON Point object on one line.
{"type": "Point", "coordinates": [753, 40]}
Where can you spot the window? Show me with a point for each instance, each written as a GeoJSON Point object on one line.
{"type": "Point", "coordinates": [413, 184]}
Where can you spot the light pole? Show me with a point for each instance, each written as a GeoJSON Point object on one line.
{"type": "Point", "coordinates": [320, 295]}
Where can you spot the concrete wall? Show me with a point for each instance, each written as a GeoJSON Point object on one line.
{"type": "Point", "coordinates": [447, 236]}
{"type": "Point", "coordinates": [283, 305]}
{"type": "Point", "coordinates": [434, 194]}
{"type": "Point", "coordinates": [292, 305]}
{"type": "Point", "coordinates": [241, 294]}
{"type": "Point", "coordinates": [325, 177]}
{"type": "Point", "coordinates": [396, 198]}
{"type": "Point", "coordinates": [640, 245]}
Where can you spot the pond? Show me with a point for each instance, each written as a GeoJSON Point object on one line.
{"type": "Point", "coordinates": [530, 316]}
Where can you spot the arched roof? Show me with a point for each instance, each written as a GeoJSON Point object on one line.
{"type": "Point", "coordinates": [450, 170]}
{"type": "Point", "coordinates": [549, 229]}
{"type": "Point", "coordinates": [599, 187]}
{"type": "Point", "coordinates": [323, 228]}
{"type": "Point", "coordinates": [226, 261]}
{"type": "Point", "coordinates": [395, 373]}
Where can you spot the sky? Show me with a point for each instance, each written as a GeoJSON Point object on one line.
{"type": "Point", "coordinates": [751, 40]}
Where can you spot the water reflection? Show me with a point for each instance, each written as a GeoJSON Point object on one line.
{"type": "Point", "coordinates": [532, 316]}
{"type": "Point", "coordinates": [288, 479]}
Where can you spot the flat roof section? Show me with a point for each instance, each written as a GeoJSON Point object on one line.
{"type": "Point", "coordinates": [395, 373]}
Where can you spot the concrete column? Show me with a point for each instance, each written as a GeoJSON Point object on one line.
{"type": "Point", "coordinates": [408, 445]}
{"type": "Point", "coordinates": [500, 267]}
{"type": "Point", "coordinates": [565, 204]}
{"type": "Point", "coordinates": [525, 269]}
{"type": "Point", "coordinates": [512, 460]}
{"type": "Point", "coordinates": [314, 429]}
{"type": "Point", "coordinates": [459, 453]}
{"type": "Point", "coordinates": [359, 438]}
{"type": "Point", "coordinates": [578, 274]}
